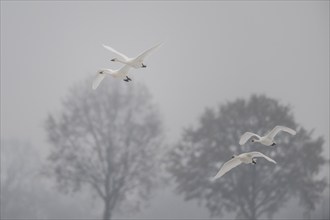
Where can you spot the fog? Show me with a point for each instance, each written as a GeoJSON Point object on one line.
{"type": "Point", "coordinates": [212, 53]}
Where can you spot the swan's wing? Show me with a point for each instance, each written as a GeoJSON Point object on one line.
{"type": "Point", "coordinates": [98, 80]}
{"type": "Point", "coordinates": [116, 52]}
{"type": "Point", "coordinates": [277, 129]}
{"type": "Point", "coordinates": [246, 136]}
{"type": "Point", "coordinates": [258, 154]}
{"type": "Point", "coordinates": [227, 166]}
{"type": "Point", "coordinates": [143, 55]}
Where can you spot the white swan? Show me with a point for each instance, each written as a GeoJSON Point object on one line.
{"type": "Point", "coordinates": [237, 160]}
{"type": "Point", "coordinates": [119, 73]}
{"type": "Point", "coordinates": [268, 139]}
{"type": "Point", "coordinates": [136, 62]}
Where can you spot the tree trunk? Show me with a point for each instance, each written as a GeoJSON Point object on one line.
{"type": "Point", "coordinates": [107, 209]}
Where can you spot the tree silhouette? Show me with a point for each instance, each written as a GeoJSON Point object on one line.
{"type": "Point", "coordinates": [109, 140]}
{"type": "Point", "coordinates": [249, 191]}
{"type": "Point", "coordinates": [25, 193]}
{"type": "Point", "coordinates": [17, 174]}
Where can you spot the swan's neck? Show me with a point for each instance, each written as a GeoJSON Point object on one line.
{"type": "Point", "coordinates": [109, 71]}
{"type": "Point", "coordinates": [257, 140]}
{"type": "Point", "coordinates": [122, 61]}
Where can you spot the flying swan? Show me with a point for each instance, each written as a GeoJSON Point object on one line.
{"type": "Point", "coordinates": [237, 160]}
{"type": "Point", "coordinates": [268, 139]}
{"type": "Point", "coordinates": [119, 73]}
{"type": "Point", "coordinates": [136, 62]}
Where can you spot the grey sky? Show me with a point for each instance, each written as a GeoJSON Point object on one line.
{"type": "Point", "coordinates": [213, 52]}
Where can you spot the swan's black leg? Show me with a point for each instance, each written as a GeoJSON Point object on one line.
{"type": "Point", "coordinates": [273, 144]}
{"type": "Point", "coordinates": [143, 66]}
{"type": "Point", "coordinates": [254, 162]}
{"type": "Point", "coordinates": [127, 79]}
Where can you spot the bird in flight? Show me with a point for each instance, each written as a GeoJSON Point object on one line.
{"type": "Point", "coordinates": [268, 139]}
{"type": "Point", "coordinates": [136, 62]}
{"type": "Point", "coordinates": [239, 159]}
{"type": "Point", "coordinates": [119, 73]}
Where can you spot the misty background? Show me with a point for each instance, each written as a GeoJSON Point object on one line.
{"type": "Point", "coordinates": [213, 53]}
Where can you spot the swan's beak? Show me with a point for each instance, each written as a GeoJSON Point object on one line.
{"type": "Point", "coordinates": [113, 59]}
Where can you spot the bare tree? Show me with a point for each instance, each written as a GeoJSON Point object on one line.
{"type": "Point", "coordinates": [109, 140]}
{"type": "Point", "coordinates": [25, 193]}
{"type": "Point", "coordinates": [249, 191]}
{"type": "Point", "coordinates": [17, 173]}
